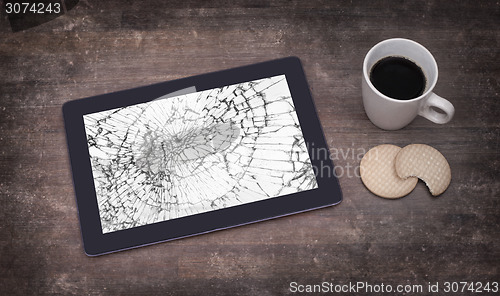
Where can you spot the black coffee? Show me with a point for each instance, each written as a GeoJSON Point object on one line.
{"type": "Point", "coordinates": [398, 78]}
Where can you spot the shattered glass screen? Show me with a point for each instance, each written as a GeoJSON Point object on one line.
{"type": "Point", "coordinates": [178, 156]}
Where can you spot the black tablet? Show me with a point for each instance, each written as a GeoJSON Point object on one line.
{"type": "Point", "coordinates": [198, 154]}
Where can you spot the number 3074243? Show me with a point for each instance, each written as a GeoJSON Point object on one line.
{"type": "Point", "coordinates": [32, 8]}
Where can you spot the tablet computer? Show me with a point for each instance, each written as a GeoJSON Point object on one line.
{"type": "Point", "coordinates": [197, 154]}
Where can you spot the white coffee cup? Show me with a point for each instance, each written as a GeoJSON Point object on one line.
{"type": "Point", "coordinates": [392, 114]}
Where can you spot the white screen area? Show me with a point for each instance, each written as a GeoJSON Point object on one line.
{"type": "Point", "coordinates": [178, 156]}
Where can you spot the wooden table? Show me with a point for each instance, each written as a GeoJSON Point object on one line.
{"type": "Point", "coordinates": [105, 46]}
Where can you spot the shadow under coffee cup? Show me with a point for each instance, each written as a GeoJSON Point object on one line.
{"type": "Point", "coordinates": [395, 66]}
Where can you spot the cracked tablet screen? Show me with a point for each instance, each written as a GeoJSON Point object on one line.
{"type": "Point", "coordinates": [184, 155]}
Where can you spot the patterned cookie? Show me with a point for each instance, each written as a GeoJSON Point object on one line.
{"type": "Point", "coordinates": [426, 163]}
{"type": "Point", "coordinates": [379, 175]}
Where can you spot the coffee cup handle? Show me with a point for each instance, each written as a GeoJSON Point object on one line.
{"type": "Point", "coordinates": [427, 109]}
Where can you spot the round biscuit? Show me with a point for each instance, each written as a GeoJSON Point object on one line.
{"type": "Point", "coordinates": [426, 163]}
{"type": "Point", "coordinates": [379, 175]}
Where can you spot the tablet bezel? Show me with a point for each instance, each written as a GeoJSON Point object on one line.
{"type": "Point", "coordinates": [96, 243]}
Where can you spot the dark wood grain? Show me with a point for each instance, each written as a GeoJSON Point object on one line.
{"type": "Point", "coordinates": [105, 46]}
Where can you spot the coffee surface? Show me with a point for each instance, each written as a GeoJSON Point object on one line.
{"type": "Point", "coordinates": [398, 78]}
